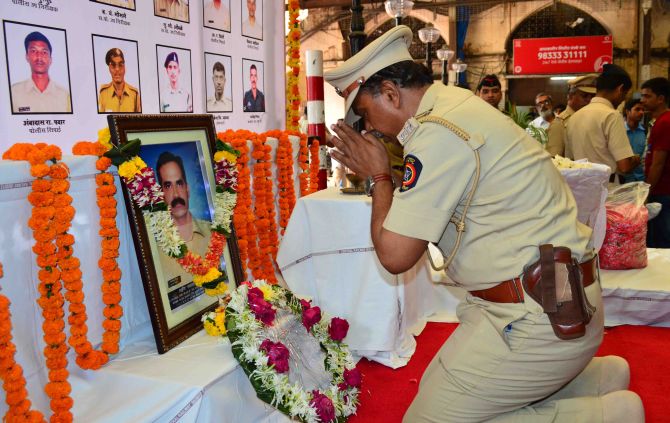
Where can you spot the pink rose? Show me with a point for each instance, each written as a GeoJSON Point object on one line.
{"type": "Point", "coordinates": [310, 317]}
{"type": "Point", "coordinates": [263, 311]}
{"type": "Point", "coordinates": [277, 355]}
{"type": "Point", "coordinates": [353, 377]}
{"type": "Point", "coordinates": [323, 405]}
{"type": "Point", "coordinates": [305, 304]}
{"type": "Point", "coordinates": [338, 328]}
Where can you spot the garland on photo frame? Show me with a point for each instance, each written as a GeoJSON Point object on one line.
{"type": "Point", "coordinates": [148, 196]}
{"type": "Point", "coordinates": [252, 307]}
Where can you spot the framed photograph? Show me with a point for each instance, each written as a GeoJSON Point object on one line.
{"type": "Point", "coordinates": [37, 69]}
{"type": "Point", "coordinates": [218, 82]}
{"type": "Point", "coordinates": [252, 74]}
{"type": "Point", "coordinates": [172, 9]}
{"type": "Point", "coordinates": [125, 4]}
{"type": "Point", "coordinates": [179, 148]}
{"type": "Point", "coordinates": [117, 75]}
{"type": "Point", "coordinates": [252, 19]}
{"type": "Point", "coordinates": [175, 84]}
{"type": "Point", "coordinates": [216, 14]}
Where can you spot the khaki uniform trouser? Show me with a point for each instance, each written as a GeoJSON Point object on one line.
{"type": "Point", "coordinates": [504, 364]}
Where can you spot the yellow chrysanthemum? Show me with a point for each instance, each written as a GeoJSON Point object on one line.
{"type": "Point", "coordinates": [129, 169]}
{"type": "Point", "coordinates": [105, 138]}
{"type": "Point", "coordinates": [212, 328]}
{"type": "Point", "coordinates": [220, 289]}
{"type": "Point", "coordinates": [211, 274]}
{"type": "Point", "coordinates": [225, 155]}
{"type": "Point", "coordinates": [268, 292]}
{"type": "Point", "coordinates": [139, 162]}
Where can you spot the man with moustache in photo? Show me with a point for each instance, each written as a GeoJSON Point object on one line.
{"type": "Point", "coordinates": [196, 233]}
{"type": "Point", "coordinates": [219, 102]}
{"type": "Point", "coordinates": [254, 100]}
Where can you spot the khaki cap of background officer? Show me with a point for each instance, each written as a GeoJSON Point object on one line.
{"type": "Point", "coordinates": [585, 83]}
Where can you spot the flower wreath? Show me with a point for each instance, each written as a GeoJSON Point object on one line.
{"type": "Point", "coordinates": [251, 308]}
{"type": "Point", "coordinates": [148, 196]}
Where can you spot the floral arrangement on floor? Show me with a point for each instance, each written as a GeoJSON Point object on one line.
{"type": "Point", "coordinates": [252, 307]}
{"type": "Point", "coordinates": [148, 196]}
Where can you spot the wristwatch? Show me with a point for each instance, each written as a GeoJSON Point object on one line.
{"type": "Point", "coordinates": [372, 180]}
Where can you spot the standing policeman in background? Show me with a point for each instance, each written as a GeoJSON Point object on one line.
{"type": "Point", "coordinates": [516, 355]}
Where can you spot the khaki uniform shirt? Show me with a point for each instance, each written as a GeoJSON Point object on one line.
{"type": "Point", "coordinates": [217, 18]}
{"type": "Point", "coordinates": [175, 275]}
{"type": "Point", "coordinates": [556, 133]}
{"type": "Point", "coordinates": [129, 101]}
{"type": "Point", "coordinates": [178, 100]}
{"type": "Point", "coordinates": [173, 9]}
{"type": "Point", "coordinates": [522, 200]}
{"type": "Point", "coordinates": [597, 132]}
{"type": "Point", "coordinates": [27, 98]}
{"type": "Point", "coordinates": [223, 105]}
{"type": "Point", "coordinates": [123, 3]}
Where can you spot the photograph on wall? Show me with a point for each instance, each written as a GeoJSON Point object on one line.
{"type": "Point", "coordinates": [175, 86]}
{"type": "Point", "coordinates": [125, 4]}
{"type": "Point", "coordinates": [37, 69]}
{"type": "Point", "coordinates": [172, 9]}
{"type": "Point", "coordinates": [117, 75]}
{"type": "Point", "coordinates": [179, 150]}
{"type": "Point", "coordinates": [252, 19]}
{"type": "Point", "coordinates": [252, 75]}
{"type": "Point", "coordinates": [216, 14]}
{"type": "Point", "coordinates": [218, 82]}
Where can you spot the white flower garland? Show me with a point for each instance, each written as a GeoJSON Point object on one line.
{"type": "Point", "coordinates": [245, 333]}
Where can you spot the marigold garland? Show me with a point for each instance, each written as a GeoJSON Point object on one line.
{"type": "Point", "coordinates": [14, 383]}
{"type": "Point", "coordinates": [285, 186]}
{"type": "Point", "coordinates": [303, 163]}
{"type": "Point", "coordinates": [314, 166]}
{"type": "Point", "coordinates": [48, 201]}
{"type": "Point", "coordinates": [293, 61]}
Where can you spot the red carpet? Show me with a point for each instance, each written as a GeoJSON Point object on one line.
{"type": "Point", "coordinates": [388, 392]}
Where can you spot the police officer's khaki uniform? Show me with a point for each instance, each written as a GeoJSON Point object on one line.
{"type": "Point", "coordinates": [222, 105]}
{"type": "Point", "coordinates": [175, 100]}
{"type": "Point", "coordinates": [597, 132]}
{"type": "Point", "coordinates": [173, 9]}
{"type": "Point", "coordinates": [27, 98]}
{"type": "Point", "coordinates": [110, 102]}
{"type": "Point", "coordinates": [556, 133]}
{"type": "Point", "coordinates": [123, 3]}
{"type": "Point", "coordinates": [502, 357]}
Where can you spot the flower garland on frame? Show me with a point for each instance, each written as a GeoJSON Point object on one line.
{"type": "Point", "coordinates": [285, 186]}
{"type": "Point", "coordinates": [148, 196]}
{"type": "Point", "coordinates": [303, 163]}
{"type": "Point", "coordinates": [314, 166]}
{"type": "Point", "coordinates": [12, 373]}
{"type": "Point", "coordinates": [253, 307]}
{"type": "Point", "coordinates": [293, 61]}
{"type": "Point", "coordinates": [48, 202]}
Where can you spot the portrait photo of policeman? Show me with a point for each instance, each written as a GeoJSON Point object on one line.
{"type": "Point", "coordinates": [172, 9]}
{"type": "Point", "coordinates": [174, 79]}
{"type": "Point", "coordinates": [37, 68]}
{"type": "Point", "coordinates": [218, 71]}
{"type": "Point", "coordinates": [126, 4]}
{"type": "Point", "coordinates": [216, 14]}
{"type": "Point", "coordinates": [254, 99]}
{"type": "Point", "coordinates": [252, 18]}
{"type": "Point", "coordinates": [117, 75]}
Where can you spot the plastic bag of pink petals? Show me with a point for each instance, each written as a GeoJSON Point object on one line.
{"type": "Point", "coordinates": [625, 245]}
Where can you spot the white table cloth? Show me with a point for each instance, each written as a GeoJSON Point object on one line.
{"type": "Point", "coordinates": [327, 254]}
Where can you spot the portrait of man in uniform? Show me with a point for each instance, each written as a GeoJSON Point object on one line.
{"type": "Point", "coordinates": [175, 81]}
{"type": "Point", "coordinates": [254, 100]}
{"type": "Point", "coordinates": [34, 89]}
{"type": "Point", "coordinates": [118, 95]}
{"type": "Point", "coordinates": [126, 4]}
{"type": "Point", "coordinates": [172, 9]}
{"type": "Point", "coordinates": [252, 19]}
{"type": "Point", "coordinates": [216, 14]}
{"type": "Point", "coordinates": [217, 100]}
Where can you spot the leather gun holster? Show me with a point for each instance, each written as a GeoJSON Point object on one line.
{"type": "Point", "coordinates": [555, 282]}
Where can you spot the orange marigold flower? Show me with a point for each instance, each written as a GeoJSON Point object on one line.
{"type": "Point", "coordinates": [77, 319]}
{"type": "Point", "coordinates": [110, 337]}
{"type": "Point", "coordinates": [105, 190]}
{"type": "Point", "coordinates": [63, 403]}
{"type": "Point", "coordinates": [57, 389]}
{"type": "Point", "coordinates": [110, 244]}
{"type": "Point", "coordinates": [110, 347]}
{"type": "Point", "coordinates": [103, 163]}
{"type": "Point", "coordinates": [112, 312]}
{"type": "Point", "coordinates": [111, 299]}
{"type": "Point", "coordinates": [65, 240]}
{"type": "Point", "coordinates": [75, 285]}
{"type": "Point", "coordinates": [41, 199]}
{"type": "Point", "coordinates": [54, 338]}
{"type": "Point", "coordinates": [104, 179]}
{"type": "Point", "coordinates": [51, 326]}
{"type": "Point", "coordinates": [106, 264]}
{"type": "Point", "coordinates": [109, 233]}
{"type": "Point", "coordinates": [62, 200]}
{"type": "Point", "coordinates": [59, 171]}
{"type": "Point", "coordinates": [110, 253]}
{"type": "Point", "coordinates": [59, 185]}
{"type": "Point", "coordinates": [111, 275]}
{"type": "Point", "coordinates": [74, 297]}
{"type": "Point", "coordinates": [41, 185]}
{"type": "Point", "coordinates": [56, 362]}
{"type": "Point", "coordinates": [77, 309]}
{"type": "Point", "coordinates": [39, 170]}
{"type": "Point", "coordinates": [114, 325]}
{"type": "Point", "coordinates": [108, 212]}
{"type": "Point", "coordinates": [106, 222]}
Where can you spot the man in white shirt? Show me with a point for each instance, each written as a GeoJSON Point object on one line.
{"type": "Point", "coordinates": [217, 15]}
{"type": "Point", "coordinates": [219, 103]}
{"type": "Point", "coordinates": [39, 94]}
{"type": "Point", "coordinates": [173, 97]}
{"type": "Point", "coordinates": [252, 27]}
{"type": "Point", "coordinates": [545, 109]}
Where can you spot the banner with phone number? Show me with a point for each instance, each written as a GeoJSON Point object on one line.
{"type": "Point", "coordinates": [562, 54]}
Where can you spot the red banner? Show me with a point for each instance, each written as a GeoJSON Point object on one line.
{"type": "Point", "coordinates": [562, 55]}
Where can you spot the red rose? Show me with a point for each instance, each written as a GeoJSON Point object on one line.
{"type": "Point", "coordinates": [305, 304]}
{"type": "Point", "coordinates": [338, 328]}
{"type": "Point", "coordinates": [277, 355]}
{"type": "Point", "coordinates": [353, 377]}
{"type": "Point", "coordinates": [310, 317]}
{"type": "Point", "coordinates": [323, 405]}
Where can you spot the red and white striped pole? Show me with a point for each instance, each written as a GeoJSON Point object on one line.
{"type": "Point", "coordinates": [316, 117]}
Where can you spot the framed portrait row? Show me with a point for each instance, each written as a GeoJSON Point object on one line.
{"type": "Point", "coordinates": [39, 76]}
{"type": "Point", "coordinates": [215, 13]}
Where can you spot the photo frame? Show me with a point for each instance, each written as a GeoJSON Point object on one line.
{"type": "Point", "coordinates": [218, 75]}
{"type": "Point", "coordinates": [123, 56]}
{"type": "Point", "coordinates": [175, 82]}
{"type": "Point", "coordinates": [123, 4]}
{"type": "Point", "coordinates": [175, 303]}
{"type": "Point", "coordinates": [253, 74]}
